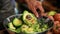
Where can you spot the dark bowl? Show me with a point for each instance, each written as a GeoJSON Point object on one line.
{"type": "Point", "coordinates": [10, 18]}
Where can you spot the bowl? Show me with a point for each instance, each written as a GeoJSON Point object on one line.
{"type": "Point", "coordinates": [10, 18]}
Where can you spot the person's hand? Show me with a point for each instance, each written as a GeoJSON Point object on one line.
{"type": "Point", "coordinates": [33, 5]}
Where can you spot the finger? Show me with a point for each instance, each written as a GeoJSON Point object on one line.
{"type": "Point", "coordinates": [39, 5]}
{"type": "Point", "coordinates": [35, 12]}
{"type": "Point", "coordinates": [51, 17]}
{"type": "Point", "coordinates": [44, 14]}
{"type": "Point", "coordinates": [56, 22]}
{"type": "Point", "coordinates": [32, 8]}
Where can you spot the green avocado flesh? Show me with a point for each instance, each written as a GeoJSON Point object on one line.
{"type": "Point", "coordinates": [29, 18]}
{"type": "Point", "coordinates": [52, 13]}
{"type": "Point", "coordinates": [12, 28]}
{"type": "Point", "coordinates": [27, 24]}
{"type": "Point", "coordinates": [17, 22]}
{"type": "Point", "coordinates": [10, 25]}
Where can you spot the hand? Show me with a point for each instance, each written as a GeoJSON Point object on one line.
{"type": "Point", "coordinates": [33, 5]}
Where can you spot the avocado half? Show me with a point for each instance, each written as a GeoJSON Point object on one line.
{"type": "Point", "coordinates": [52, 13]}
{"type": "Point", "coordinates": [29, 18]}
{"type": "Point", "coordinates": [17, 22]}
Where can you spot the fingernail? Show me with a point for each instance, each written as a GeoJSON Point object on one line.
{"type": "Point", "coordinates": [37, 16]}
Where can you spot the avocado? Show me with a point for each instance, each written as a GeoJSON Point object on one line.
{"type": "Point", "coordinates": [12, 28]}
{"type": "Point", "coordinates": [15, 30]}
{"type": "Point", "coordinates": [24, 28]}
{"type": "Point", "coordinates": [29, 18]}
{"type": "Point", "coordinates": [17, 22]}
{"type": "Point", "coordinates": [18, 30]}
{"type": "Point", "coordinates": [10, 25]}
{"type": "Point", "coordinates": [52, 13]}
{"type": "Point", "coordinates": [30, 30]}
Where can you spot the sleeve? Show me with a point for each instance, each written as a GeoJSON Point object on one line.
{"type": "Point", "coordinates": [6, 10]}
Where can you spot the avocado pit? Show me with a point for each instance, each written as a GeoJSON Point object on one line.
{"type": "Point", "coordinates": [28, 17]}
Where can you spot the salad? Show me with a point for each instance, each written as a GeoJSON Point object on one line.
{"type": "Point", "coordinates": [27, 23]}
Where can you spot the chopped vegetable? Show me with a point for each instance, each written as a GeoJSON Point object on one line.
{"type": "Point", "coordinates": [43, 29]}
{"type": "Point", "coordinates": [39, 30]}
{"type": "Point", "coordinates": [45, 26]}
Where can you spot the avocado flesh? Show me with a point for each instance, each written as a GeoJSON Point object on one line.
{"type": "Point", "coordinates": [27, 29]}
{"type": "Point", "coordinates": [29, 18]}
{"type": "Point", "coordinates": [11, 27]}
{"type": "Point", "coordinates": [17, 22]}
{"type": "Point", "coordinates": [51, 13]}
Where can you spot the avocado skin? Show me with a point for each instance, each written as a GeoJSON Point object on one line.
{"type": "Point", "coordinates": [31, 21]}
